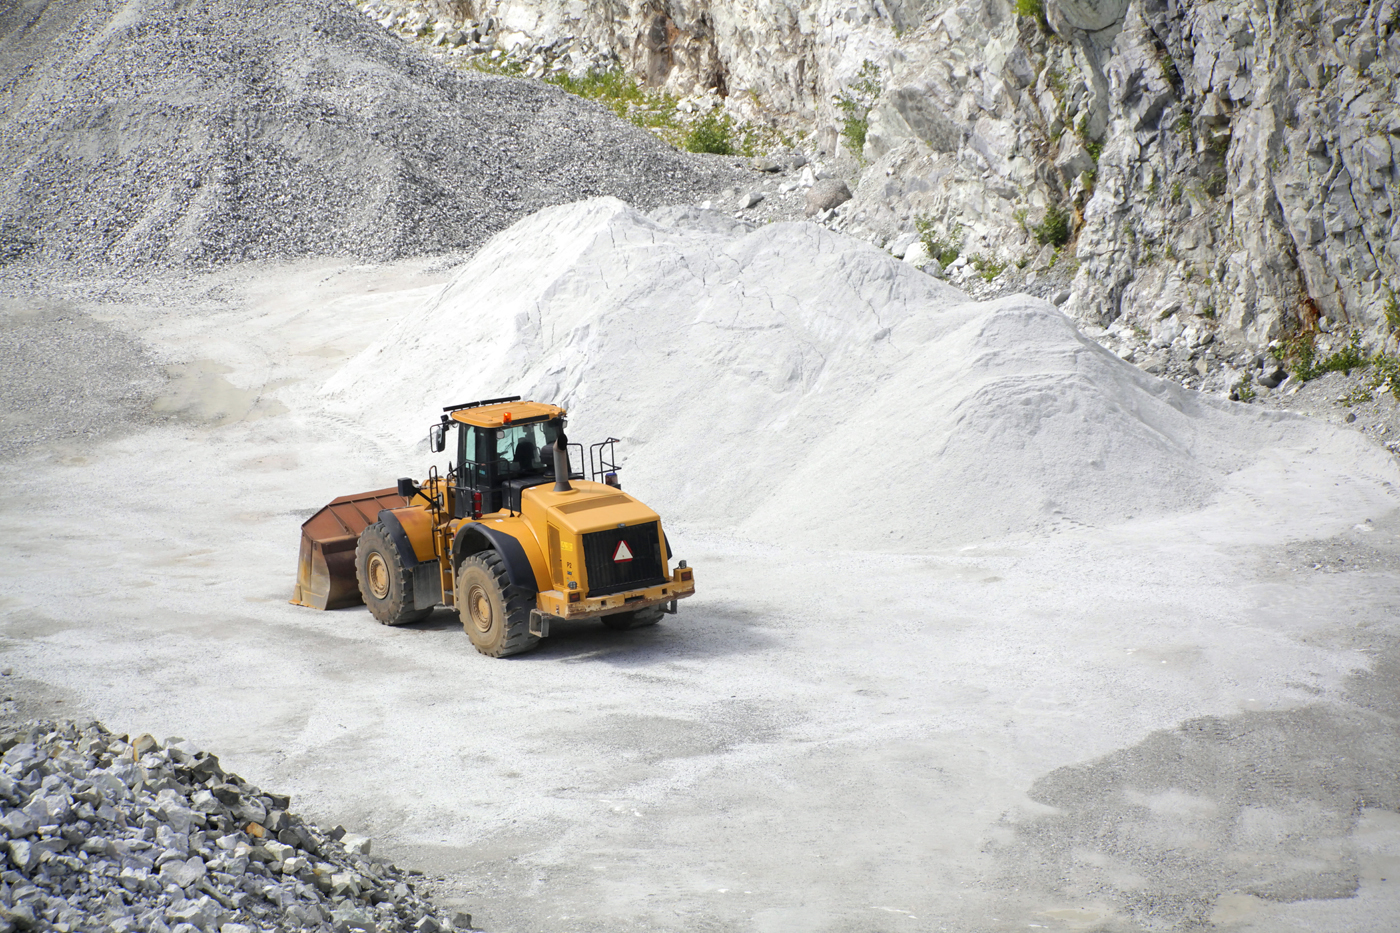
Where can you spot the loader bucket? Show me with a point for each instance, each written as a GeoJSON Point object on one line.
{"type": "Point", "coordinates": [326, 566]}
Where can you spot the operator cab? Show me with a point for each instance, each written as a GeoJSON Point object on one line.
{"type": "Point", "coordinates": [504, 446]}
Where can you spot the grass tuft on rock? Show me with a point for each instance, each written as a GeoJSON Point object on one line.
{"type": "Point", "coordinates": [855, 103]}
{"type": "Point", "coordinates": [1033, 9]}
{"type": "Point", "coordinates": [1053, 229]}
{"type": "Point", "coordinates": [944, 250]}
{"type": "Point", "coordinates": [1299, 356]}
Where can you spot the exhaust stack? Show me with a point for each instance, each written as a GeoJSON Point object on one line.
{"type": "Point", "coordinates": [561, 462]}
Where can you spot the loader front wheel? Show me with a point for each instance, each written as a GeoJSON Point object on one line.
{"type": "Point", "coordinates": [495, 614]}
{"type": "Point", "coordinates": [385, 584]}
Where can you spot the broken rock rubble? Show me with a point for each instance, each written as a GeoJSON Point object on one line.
{"type": "Point", "coordinates": [102, 833]}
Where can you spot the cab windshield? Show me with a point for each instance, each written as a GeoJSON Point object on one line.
{"type": "Point", "coordinates": [521, 448]}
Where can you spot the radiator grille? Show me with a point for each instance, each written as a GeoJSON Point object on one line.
{"type": "Point", "coordinates": [607, 576]}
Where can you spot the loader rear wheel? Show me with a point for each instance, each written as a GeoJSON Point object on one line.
{"type": "Point", "coordinates": [385, 584]}
{"type": "Point", "coordinates": [495, 613]}
{"type": "Point", "coordinates": [639, 618]}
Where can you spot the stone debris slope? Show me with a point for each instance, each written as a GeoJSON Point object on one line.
{"type": "Point", "coordinates": [788, 381]}
{"type": "Point", "coordinates": [98, 833]}
{"type": "Point", "coordinates": [226, 129]}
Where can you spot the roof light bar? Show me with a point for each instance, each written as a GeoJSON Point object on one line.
{"type": "Point", "coordinates": [485, 401]}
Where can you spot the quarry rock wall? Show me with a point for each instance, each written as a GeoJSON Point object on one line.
{"type": "Point", "coordinates": [1226, 164]}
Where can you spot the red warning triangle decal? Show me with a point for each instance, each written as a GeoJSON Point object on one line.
{"type": "Point", "coordinates": [623, 554]}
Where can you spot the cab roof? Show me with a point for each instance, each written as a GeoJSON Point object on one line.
{"type": "Point", "coordinates": [494, 416]}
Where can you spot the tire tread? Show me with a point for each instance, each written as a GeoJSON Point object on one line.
{"type": "Point", "coordinates": [397, 608]}
{"type": "Point", "coordinates": [517, 600]}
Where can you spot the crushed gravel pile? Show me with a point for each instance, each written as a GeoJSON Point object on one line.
{"type": "Point", "coordinates": [222, 130]}
{"type": "Point", "coordinates": [101, 833]}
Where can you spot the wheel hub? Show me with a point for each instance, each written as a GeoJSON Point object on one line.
{"type": "Point", "coordinates": [479, 604]}
{"type": "Point", "coordinates": [378, 572]}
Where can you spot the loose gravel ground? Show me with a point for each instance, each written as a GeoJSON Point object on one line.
{"type": "Point", "coordinates": [68, 376]}
{"type": "Point", "coordinates": [1351, 400]}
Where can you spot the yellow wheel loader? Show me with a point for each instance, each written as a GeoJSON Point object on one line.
{"type": "Point", "coordinates": [511, 536]}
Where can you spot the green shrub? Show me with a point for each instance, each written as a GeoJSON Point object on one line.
{"type": "Point", "coordinates": [987, 267]}
{"type": "Point", "coordinates": [1347, 358]}
{"type": "Point", "coordinates": [711, 133]}
{"type": "Point", "coordinates": [1387, 374]}
{"type": "Point", "coordinates": [1053, 230]}
{"type": "Point", "coordinates": [855, 103]}
{"type": "Point", "coordinates": [614, 88]}
{"type": "Point", "coordinates": [945, 251]}
{"type": "Point", "coordinates": [1299, 355]}
{"type": "Point", "coordinates": [1168, 64]}
{"type": "Point", "coordinates": [1033, 9]}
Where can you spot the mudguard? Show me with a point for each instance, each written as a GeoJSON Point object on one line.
{"type": "Point", "coordinates": [392, 525]}
{"type": "Point", "coordinates": [411, 530]}
{"type": "Point", "coordinates": [473, 537]}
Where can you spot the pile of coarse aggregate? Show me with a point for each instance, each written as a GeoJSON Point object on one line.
{"type": "Point", "coordinates": [98, 833]}
{"type": "Point", "coordinates": [222, 130]}
{"type": "Point", "coordinates": [793, 383]}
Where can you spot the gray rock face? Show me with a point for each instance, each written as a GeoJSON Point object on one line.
{"type": "Point", "coordinates": [1089, 15]}
{"type": "Point", "coordinates": [101, 834]}
{"type": "Point", "coordinates": [910, 112]}
{"type": "Point", "coordinates": [1227, 165]}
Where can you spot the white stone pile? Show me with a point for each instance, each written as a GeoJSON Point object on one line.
{"type": "Point", "coordinates": [782, 358]}
{"type": "Point", "coordinates": [99, 832]}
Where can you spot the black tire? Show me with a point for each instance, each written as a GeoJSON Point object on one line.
{"type": "Point", "coordinates": [385, 584]}
{"type": "Point", "coordinates": [640, 618]}
{"type": "Point", "coordinates": [495, 613]}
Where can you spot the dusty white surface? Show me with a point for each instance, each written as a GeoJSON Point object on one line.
{"type": "Point", "coordinates": [869, 718]}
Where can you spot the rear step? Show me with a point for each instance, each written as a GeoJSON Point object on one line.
{"type": "Point", "coordinates": [326, 565]}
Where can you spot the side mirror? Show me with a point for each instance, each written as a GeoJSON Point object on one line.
{"type": "Point", "coordinates": [437, 438]}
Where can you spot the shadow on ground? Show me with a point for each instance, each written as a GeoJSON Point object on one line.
{"type": "Point", "coordinates": [708, 632]}
{"type": "Point", "coordinates": [1261, 804]}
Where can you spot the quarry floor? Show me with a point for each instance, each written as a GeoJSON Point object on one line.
{"type": "Point", "coordinates": [1164, 724]}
